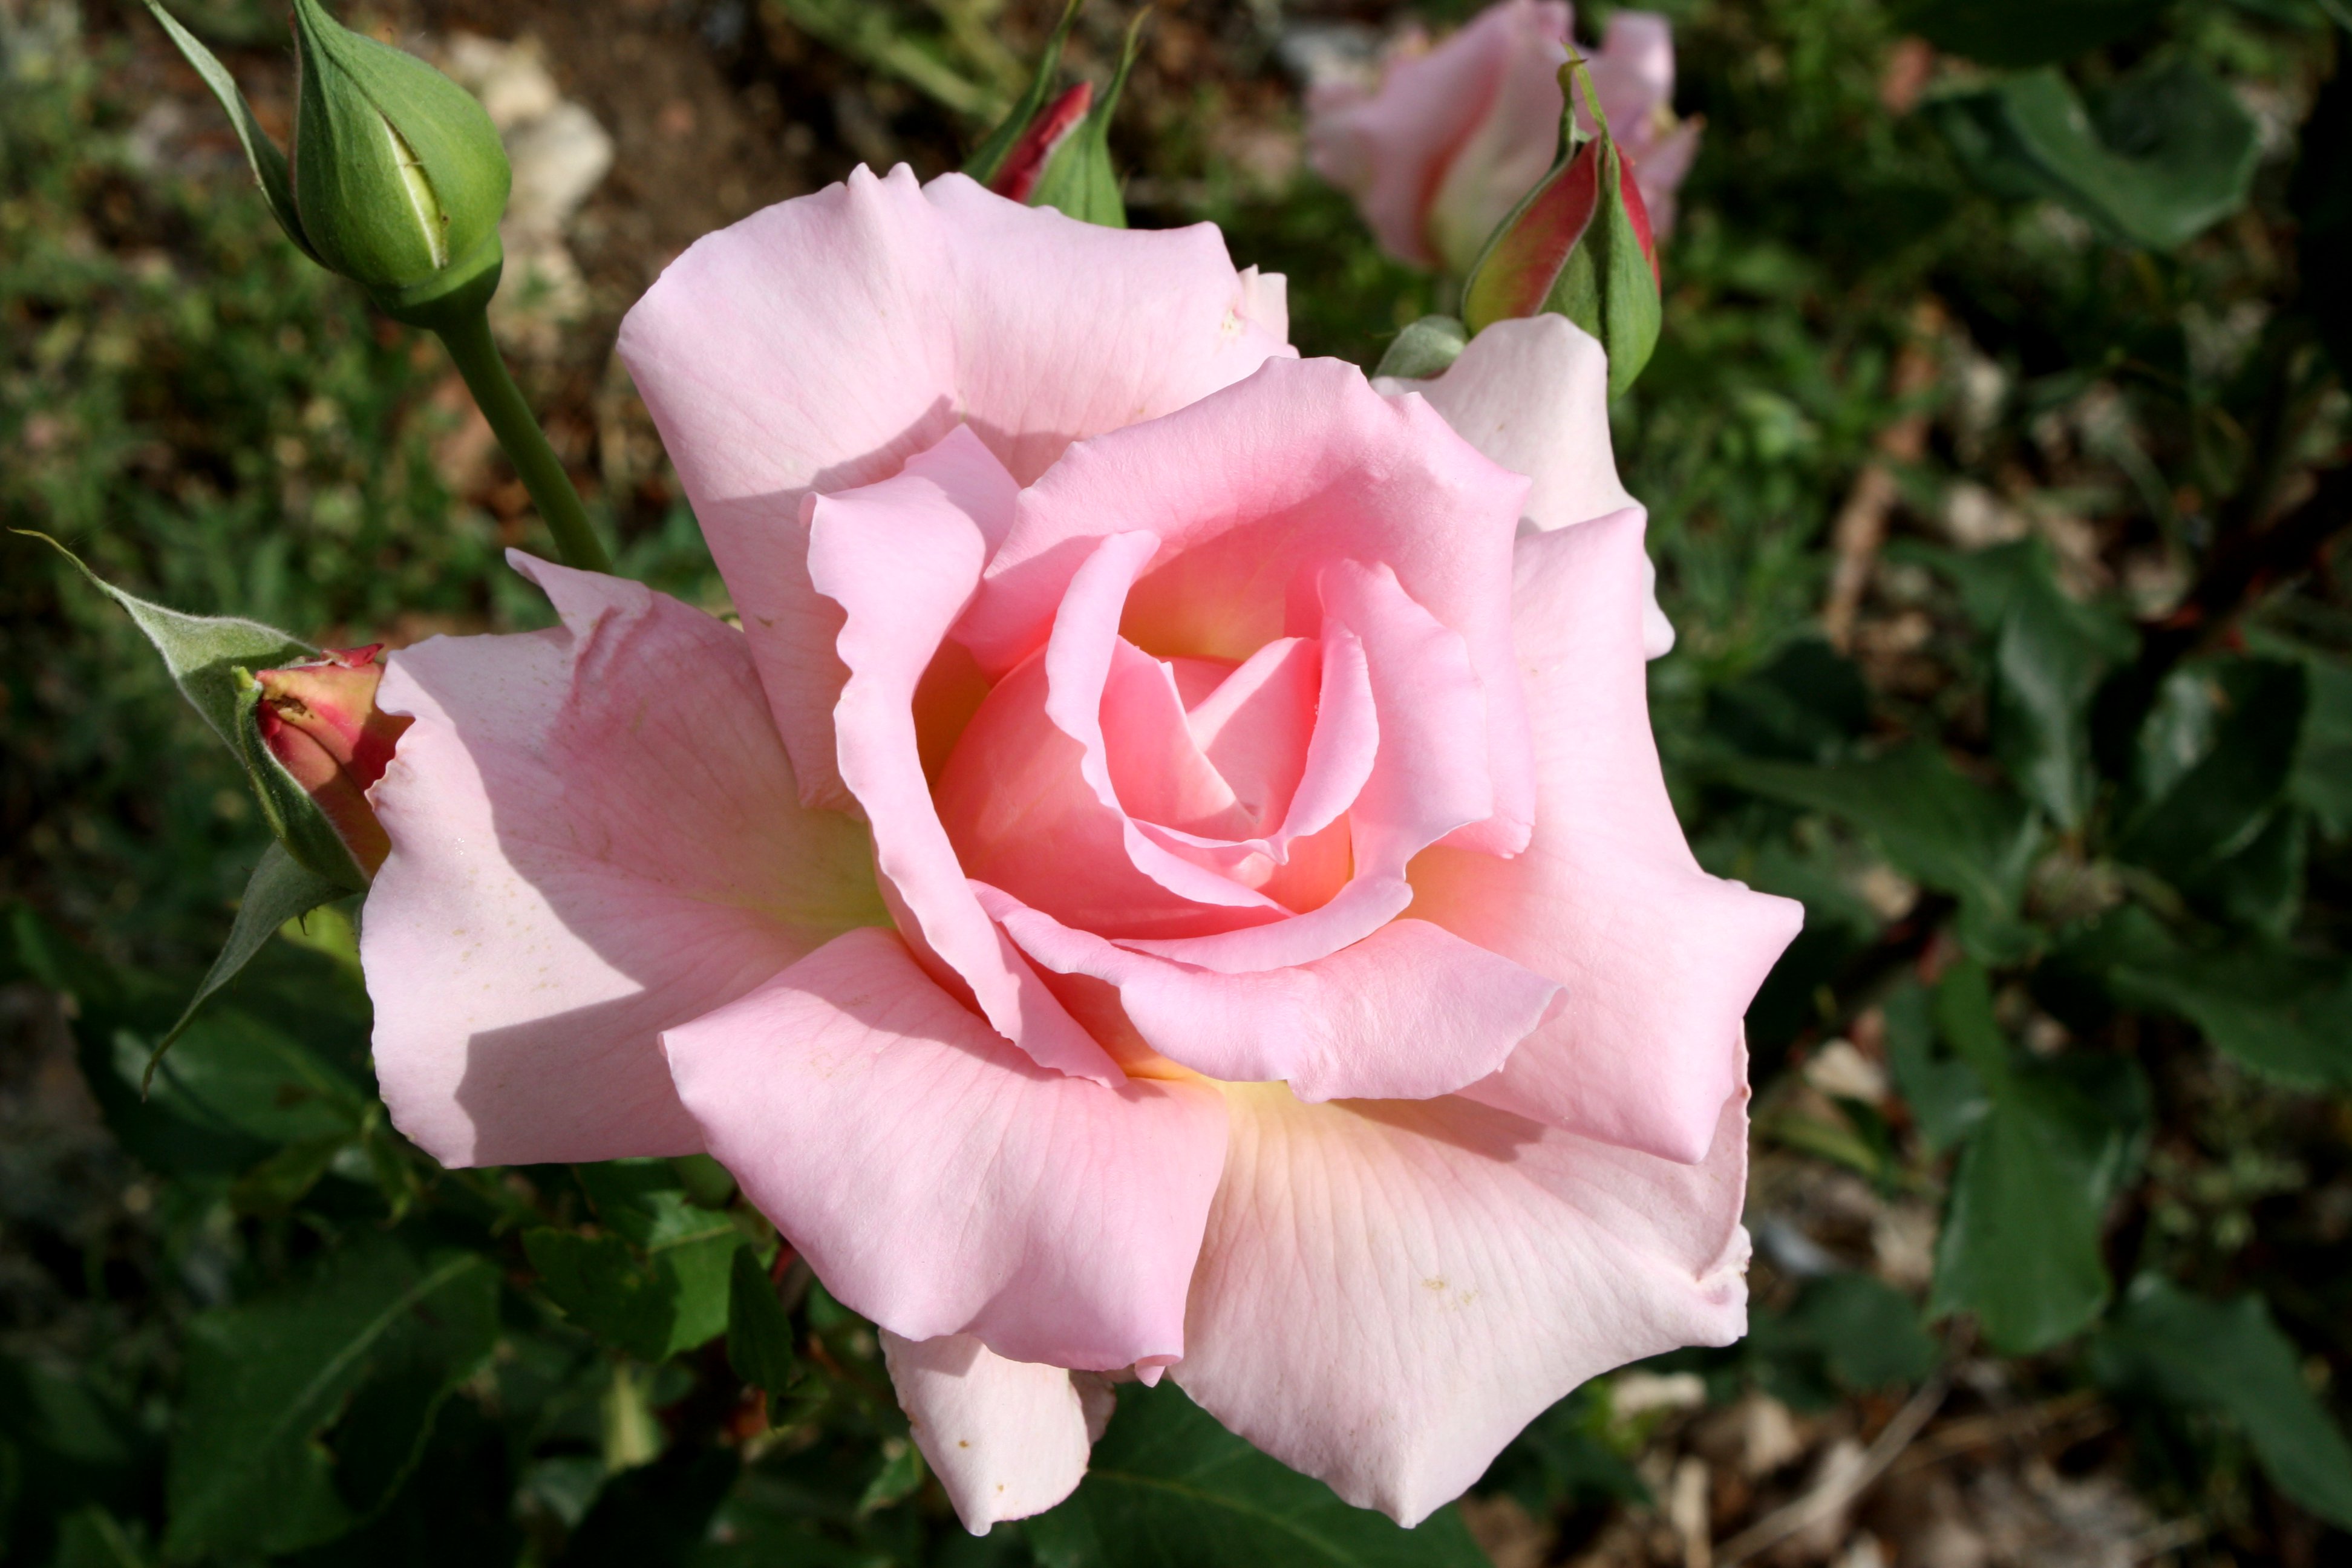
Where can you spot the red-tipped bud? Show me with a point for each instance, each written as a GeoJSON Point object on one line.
{"type": "Point", "coordinates": [1026, 162]}
{"type": "Point", "coordinates": [1577, 245]}
{"type": "Point", "coordinates": [319, 720]}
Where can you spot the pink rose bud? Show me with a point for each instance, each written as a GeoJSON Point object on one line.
{"type": "Point", "coordinates": [1025, 164]}
{"type": "Point", "coordinates": [1579, 246]}
{"type": "Point", "coordinates": [319, 720]}
{"type": "Point", "coordinates": [1451, 138]}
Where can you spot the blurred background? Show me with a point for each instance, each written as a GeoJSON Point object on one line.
{"type": "Point", "coordinates": [1999, 506]}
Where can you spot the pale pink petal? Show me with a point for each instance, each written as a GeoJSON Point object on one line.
{"type": "Point", "coordinates": [1389, 1291]}
{"type": "Point", "coordinates": [818, 344]}
{"type": "Point", "coordinates": [1006, 1438]}
{"type": "Point", "coordinates": [1658, 171]}
{"type": "Point", "coordinates": [1634, 70]}
{"type": "Point", "coordinates": [1078, 659]}
{"type": "Point", "coordinates": [1390, 150]}
{"type": "Point", "coordinates": [1020, 815]}
{"type": "Point", "coordinates": [1252, 492]}
{"type": "Point", "coordinates": [1158, 770]}
{"type": "Point", "coordinates": [901, 559]}
{"type": "Point", "coordinates": [1532, 393]}
{"type": "Point", "coordinates": [1066, 330]}
{"type": "Point", "coordinates": [1255, 726]}
{"type": "Point", "coordinates": [1432, 773]}
{"type": "Point", "coordinates": [594, 836]}
{"type": "Point", "coordinates": [1656, 958]}
{"type": "Point", "coordinates": [1514, 146]}
{"type": "Point", "coordinates": [1408, 1012]}
{"type": "Point", "coordinates": [938, 1179]}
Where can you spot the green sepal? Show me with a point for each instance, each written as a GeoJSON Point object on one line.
{"type": "Point", "coordinates": [1426, 348]}
{"type": "Point", "coordinates": [271, 171]}
{"type": "Point", "coordinates": [989, 157]}
{"type": "Point", "coordinates": [1078, 179]}
{"type": "Point", "coordinates": [281, 889]}
{"type": "Point", "coordinates": [211, 659]}
{"type": "Point", "coordinates": [398, 172]}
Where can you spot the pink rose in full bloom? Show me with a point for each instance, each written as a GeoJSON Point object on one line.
{"type": "Point", "coordinates": [1171, 875]}
{"type": "Point", "coordinates": [1438, 153]}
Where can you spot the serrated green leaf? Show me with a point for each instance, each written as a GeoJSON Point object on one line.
{"type": "Point", "coordinates": [2241, 721]}
{"type": "Point", "coordinates": [660, 1285]}
{"type": "Point", "coordinates": [2049, 656]}
{"type": "Point", "coordinates": [1170, 1487]}
{"type": "Point", "coordinates": [759, 1330]}
{"type": "Point", "coordinates": [2284, 1014]}
{"type": "Point", "coordinates": [2230, 1356]}
{"type": "Point", "coordinates": [2167, 154]}
{"type": "Point", "coordinates": [270, 169]}
{"type": "Point", "coordinates": [306, 1407]}
{"type": "Point", "coordinates": [1936, 825]}
{"type": "Point", "coordinates": [281, 889]}
{"type": "Point", "coordinates": [1946, 1096]}
{"type": "Point", "coordinates": [2019, 1243]}
{"type": "Point", "coordinates": [234, 1074]}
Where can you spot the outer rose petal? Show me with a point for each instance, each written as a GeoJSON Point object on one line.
{"type": "Point", "coordinates": [594, 836]}
{"type": "Point", "coordinates": [1408, 1012]}
{"type": "Point", "coordinates": [1511, 147]}
{"type": "Point", "coordinates": [1390, 150]}
{"type": "Point", "coordinates": [817, 344]}
{"type": "Point", "coordinates": [1006, 1438]}
{"type": "Point", "coordinates": [941, 1183]}
{"type": "Point", "coordinates": [1656, 958]}
{"type": "Point", "coordinates": [1532, 393]}
{"type": "Point", "coordinates": [901, 558]}
{"type": "Point", "coordinates": [1389, 1291]}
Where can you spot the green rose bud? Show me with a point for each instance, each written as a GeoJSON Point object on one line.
{"type": "Point", "coordinates": [1054, 151]}
{"type": "Point", "coordinates": [1579, 245]}
{"type": "Point", "coordinates": [399, 177]}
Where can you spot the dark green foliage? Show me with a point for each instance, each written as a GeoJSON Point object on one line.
{"type": "Point", "coordinates": [308, 1407]}
{"type": "Point", "coordinates": [1169, 1488]}
{"type": "Point", "coordinates": [2074, 868]}
{"type": "Point", "coordinates": [2231, 1357]}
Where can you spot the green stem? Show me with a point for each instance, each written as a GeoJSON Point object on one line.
{"type": "Point", "coordinates": [478, 361]}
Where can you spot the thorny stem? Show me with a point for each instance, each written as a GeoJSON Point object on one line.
{"type": "Point", "coordinates": [501, 402]}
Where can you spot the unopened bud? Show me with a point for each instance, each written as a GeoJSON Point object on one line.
{"type": "Point", "coordinates": [319, 720]}
{"type": "Point", "coordinates": [1578, 243]}
{"type": "Point", "coordinates": [399, 179]}
{"type": "Point", "coordinates": [1025, 162]}
{"type": "Point", "coordinates": [1056, 154]}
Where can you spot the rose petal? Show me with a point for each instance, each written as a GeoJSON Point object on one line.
{"type": "Point", "coordinates": [1390, 150]}
{"type": "Point", "coordinates": [901, 558]}
{"type": "Point", "coordinates": [821, 343]}
{"type": "Point", "coordinates": [594, 836]}
{"type": "Point", "coordinates": [1408, 1012]}
{"type": "Point", "coordinates": [1512, 145]}
{"type": "Point", "coordinates": [1532, 393]}
{"type": "Point", "coordinates": [1252, 492]}
{"type": "Point", "coordinates": [1657, 960]}
{"type": "Point", "coordinates": [938, 1179]}
{"type": "Point", "coordinates": [1006, 1438]}
{"type": "Point", "coordinates": [1389, 1292]}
